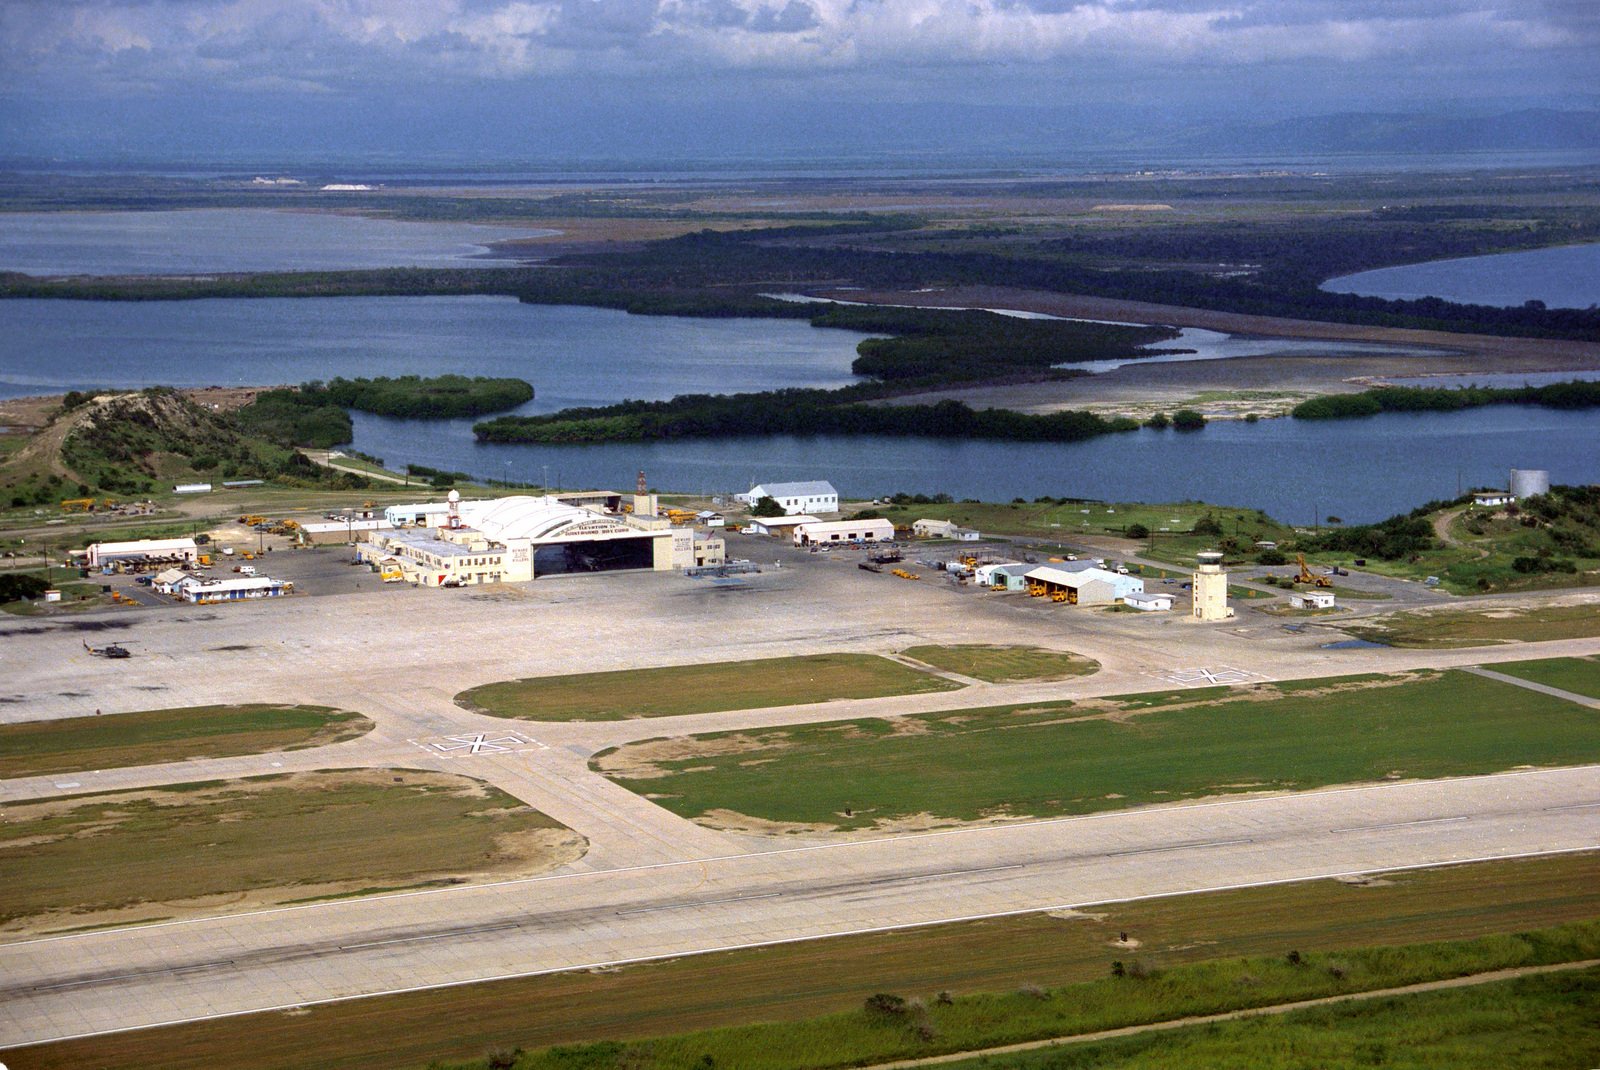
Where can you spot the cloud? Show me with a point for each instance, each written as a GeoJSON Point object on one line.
{"type": "Point", "coordinates": [310, 44]}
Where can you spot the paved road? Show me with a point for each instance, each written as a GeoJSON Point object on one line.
{"type": "Point", "coordinates": [652, 883]}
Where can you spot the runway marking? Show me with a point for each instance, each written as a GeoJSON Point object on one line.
{"type": "Point", "coordinates": [1403, 824]}
{"type": "Point", "coordinates": [946, 873]}
{"type": "Point", "coordinates": [432, 936]}
{"type": "Point", "coordinates": [130, 976]}
{"type": "Point", "coordinates": [1169, 847]}
{"type": "Point", "coordinates": [472, 744]}
{"type": "Point", "coordinates": [699, 903]}
{"type": "Point", "coordinates": [1574, 806]}
{"type": "Point", "coordinates": [1222, 674]}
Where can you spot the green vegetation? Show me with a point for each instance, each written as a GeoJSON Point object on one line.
{"type": "Point", "coordinates": [1577, 394]}
{"type": "Point", "coordinates": [296, 418]}
{"type": "Point", "coordinates": [72, 744]}
{"type": "Point", "coordinates": [683, 689]}
{"type": "Point", "coordinates": [1003, 664]}
{"type": "Point", "coordinates": [788, 982]}
{"type": "Point", "coordinates": [793, 411]}
{"type": "Point", "coordinates": [316, 414]}
{"type": "Point", "coordinates": [1442, 629]}
{"type": "Point", "coordinates": [143, 442]}
{"type": "Point", "coordinates": [1048, 759]}
{"type": "Point", "coordinates": [1581, 676]}
{"type": "Point", "coordinates": [1049, 519]}
{"type": "Point", "coordinates": [19, 586]}
{"type": "Point", "coordinates": [99, 858]}
{"type": "Point", "coordinates": [890, 1027]}
{"type": "Point", "coordinates": [1523, 1023]}
{"type": "Point", "coordinates": [413, 397]}
{"type": "Point", "coordinates": [960, 345]}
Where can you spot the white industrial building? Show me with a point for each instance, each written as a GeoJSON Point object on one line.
{"type": "Point", "coordinates": [812, 496]}
{"type": "Point", "coordinates": [517, 538]}
{"type": "Point", "coordinates": [1312, 600]}
{"type": "Point", "coordinates": [943, 529]}
{"type": "Point", "coordinates": [1084, 587]}
{"type": "Point", "coordinates": [1148, 602]}
{"type": "Point", "coordinates": [826, 532]}
{"type": "Point", "coordinates": [144, 552]}
{"type": "Point", "coordinates": [778, 525]}
{"type": "Point", "coordinates": [352, 530]}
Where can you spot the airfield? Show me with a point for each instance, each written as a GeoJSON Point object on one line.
{"type": "Point", "coordinates": [651, 884]}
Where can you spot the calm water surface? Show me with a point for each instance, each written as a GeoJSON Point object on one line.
{"type": "Point", "coordinates": [1563, 277]}
{"type": "Point", "coordinates": [201, 241]}
{"type": "Point", "coordinates": [1360, 470]}
{"type": "Point", "coordinates": [1356, 469]}
{"type": "Point", "coordinates": [572, 355]}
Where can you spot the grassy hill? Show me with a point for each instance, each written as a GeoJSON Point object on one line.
{"type": "Point", "coordinates": [142, 443]}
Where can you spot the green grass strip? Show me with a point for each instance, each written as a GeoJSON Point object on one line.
{"type": "Point", "coordinates": [148, 737]}
{"type": "Point", "coordinates": [685, 689]}
{"type": "Point", "coordinates": [1581, 676]}
{"type": "Point", "coordinates": [1003, 664]}
{"type": "Point", "coordinates": [905, 1025]}
{"type": "Point", "coordinates": [1053, 759]}
{"type": "Point", "coordinates": [1542, 1022]}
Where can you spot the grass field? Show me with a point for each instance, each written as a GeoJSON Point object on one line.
{"type": "Point", "coordinates": [1065, 520]}
{"type": "Point", "coordinates": [1528, 1023]}
{"type": "Point", "coordinates": [128, 856]}
{"type": "Point", "coordinates": [1059, 758]}
{"type": "Point", "coordinates": [682, 689]}
{"type": "Point", "coordinates": [1459, 628]}
{"type": "Point", "coordinates": [151, 736]}
{"type": "Point", "coordinates": [1003, 664]}
{"type": "Point", "coordinates": [1581, 676]}
{"type": "Point", "coordinates": [819, 977]}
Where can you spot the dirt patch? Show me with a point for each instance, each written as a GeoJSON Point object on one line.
{"type": "Point", "coordinates": [1361, 880]}
{"type": "Point", "coordinates": [645, 759]}
{"type": "Point", "coordinates": [514, 853]}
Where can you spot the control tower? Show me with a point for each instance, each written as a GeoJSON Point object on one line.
{"type": "Point", "coordinates": [1210, 588]}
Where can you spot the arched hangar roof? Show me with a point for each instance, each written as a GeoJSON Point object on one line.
{"type": "Point", "coordinates": [543, 520]}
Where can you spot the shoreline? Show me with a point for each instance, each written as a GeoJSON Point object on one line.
{"type": "Point", "coordinates": [1232, 387]}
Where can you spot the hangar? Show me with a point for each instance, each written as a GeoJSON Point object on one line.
{"type": "Point", "coordinates": [517, 538]}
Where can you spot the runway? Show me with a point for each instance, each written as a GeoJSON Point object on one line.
{"type": "Point", "coordinates": [86, 983]}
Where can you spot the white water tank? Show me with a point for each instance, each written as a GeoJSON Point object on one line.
{"type": "Point", "coordinates": [1526, 482]}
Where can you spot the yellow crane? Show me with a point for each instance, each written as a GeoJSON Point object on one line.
{"type": "Point", "coordinates": [1305, 575]}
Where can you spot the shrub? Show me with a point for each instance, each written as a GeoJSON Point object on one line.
{"type": "Point", "coordinates": [766, 506]}
{"type": "Point", "coordinates": [884, 1005]}
{"type": "Point", "coordinates": [1136, 531]}
{"type": "Point", "coordinates": [1188, 420]}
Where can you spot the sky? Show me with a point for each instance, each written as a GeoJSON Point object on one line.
{"type": "Point", "coordinates": [508, 78]}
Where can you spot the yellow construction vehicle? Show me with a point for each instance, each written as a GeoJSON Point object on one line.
{"type": "Point", "coordinates": [903, 574]}
{"type": "Point", "coordinates": [78, 505]}
{"type": "Point", "coordinates": [998, 585]}
{"type": "Point", "coordinates": [1305, 574]}
{"type": "Point", "coordinates": [1037, 589]}
{"type": "Point", "coordinates": [1059, 595]}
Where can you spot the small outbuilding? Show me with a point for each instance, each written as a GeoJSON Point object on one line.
{"type": "Point", "coordinates": [1492, 498]}
{"type": "Point", "coordinates": [1148, 602]}
{"type": "Point", "coordinates": [1312, 600]}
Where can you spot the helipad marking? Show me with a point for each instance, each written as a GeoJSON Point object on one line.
{"type": "Point", "coordinates": [1223, 674]}
{"type": "Point", "coordinates": [475, 743]}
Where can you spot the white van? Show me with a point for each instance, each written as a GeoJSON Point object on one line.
{"type": "Point", "coordinates": [247, 570]}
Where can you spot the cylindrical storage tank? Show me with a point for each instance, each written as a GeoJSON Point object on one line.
{"type": "Point", "coordinates": [1526, 482]}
